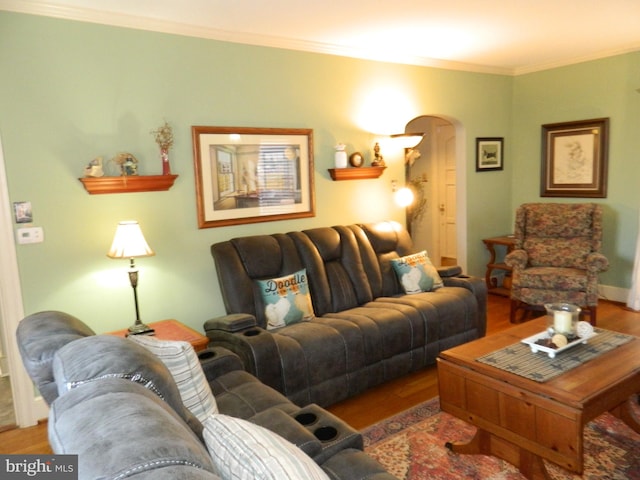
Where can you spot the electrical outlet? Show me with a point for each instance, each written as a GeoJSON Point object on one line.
{"type": "Point", "coordinates": [30, 235]}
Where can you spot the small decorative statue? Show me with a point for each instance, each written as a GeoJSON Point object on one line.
{"type": "Point", "coordinates": [378, 161]}
{"type": "Point", "coordinates": [127, 162]}
{"type": "Point", "coordinates": [94, 168]}
{"type": "Point", "coordinates": [164, 139]}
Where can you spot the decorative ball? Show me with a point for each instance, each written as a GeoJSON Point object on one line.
{"type": "Point", "coordinates": [559, 340]}
{"type": "Point", "coordinates": [584, 329]}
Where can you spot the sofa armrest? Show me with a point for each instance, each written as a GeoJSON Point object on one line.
{"type": "Point", "coordinates": [234, 322]}
{"type": "Point", "coordinates": [216, 361]}
{"type": "Point", "coordinates": [451, 271]}
{"type": "Point", "coordinates": [478, 287]}
{"type": "Point", "coordinates": [353, 463]}
{"type": "Point", "coordinates": [255, 346]}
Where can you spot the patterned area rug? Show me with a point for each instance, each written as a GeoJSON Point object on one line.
{"type": "Point", "coordinates": [411, 446]}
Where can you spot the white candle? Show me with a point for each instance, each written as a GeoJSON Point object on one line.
{"type": "Point", "coordinates": [562, 321]}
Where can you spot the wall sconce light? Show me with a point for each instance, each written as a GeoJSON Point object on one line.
{"type": "Point", "coordinates": [403, 196]}
{"type": "Point", "coordinates": [129, 242]}
{"type": "Point", "coordinates": [409, 141]}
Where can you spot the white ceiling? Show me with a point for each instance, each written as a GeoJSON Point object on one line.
{"type": "Point", "coordinates": [495, 36]}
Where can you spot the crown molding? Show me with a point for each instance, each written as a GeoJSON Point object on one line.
{"type": "Point", "coordinates": [564, 63]}
{"type": "Point", "coordinates": [176, 28]}
{"type": "Point", "coordinates": [163, 26]}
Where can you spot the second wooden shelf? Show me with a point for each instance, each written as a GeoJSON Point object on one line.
{"type": "Point", "coordinates": [355, 173]}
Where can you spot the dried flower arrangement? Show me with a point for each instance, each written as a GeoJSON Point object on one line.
{"type": "Point", "coordinates": [417, 210]}
{"type": "Point", "coordinates": [164, 136]}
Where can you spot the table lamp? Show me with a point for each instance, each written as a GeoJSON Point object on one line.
{"type": "Point", "coordinates": [129, 242]}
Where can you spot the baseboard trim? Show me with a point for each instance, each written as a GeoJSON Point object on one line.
{"type": "Point", "coordinates": [615, 294]}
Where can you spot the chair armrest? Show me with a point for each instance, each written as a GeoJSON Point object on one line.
{"type": "Point", "coordinates": [216, 361]}
{"type": "Point", "coordinates": [517, 259]}
{"type": "Point", "coordinates": [234, 322]}
{"type": "Point", "coordinates": [597, 262]}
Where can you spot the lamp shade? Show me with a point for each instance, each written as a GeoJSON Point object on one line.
{"type": "Point", "coordinates": [408, 140]}
{"type": "Point", "coordinates": [129, 242]}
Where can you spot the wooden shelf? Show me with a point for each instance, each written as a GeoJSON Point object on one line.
{"type": "Point", "coordinates": [355, 173]}
{"type": "Point", "coordinates": [128, 184]}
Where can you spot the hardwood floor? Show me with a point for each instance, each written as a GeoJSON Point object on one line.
{"type": "Point", "coordinates": [379, 402]}
{"type": "Point", "coordinates": [398, 395]}
{"type": "Point", "coordinates": [403, 393]}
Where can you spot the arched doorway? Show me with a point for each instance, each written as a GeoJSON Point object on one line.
{"type": "Point", "coordinates": [440, 171]}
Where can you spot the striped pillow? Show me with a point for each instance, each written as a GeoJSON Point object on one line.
{"type": "Point", "coordinates": [241, 450]}
{"type": "Point", "coordinates": [182, 361]}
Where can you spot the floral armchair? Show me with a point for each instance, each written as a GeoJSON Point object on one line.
{"type": "Point", "coordinates": [556, 257]}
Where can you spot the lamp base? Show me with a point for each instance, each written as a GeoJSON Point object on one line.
{"type": "Point", "coordinates": [140, 329]}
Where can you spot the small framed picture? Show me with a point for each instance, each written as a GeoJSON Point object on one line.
{"type": "Point", "coordinates": [22, 211]}
{"type": "Point", "coordinates": [489, 154]}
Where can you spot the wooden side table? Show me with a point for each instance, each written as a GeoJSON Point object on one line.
{"type": "Point", "coordinates": [173, 330]}
{"type": "Point", "coordinates": [507, 241]}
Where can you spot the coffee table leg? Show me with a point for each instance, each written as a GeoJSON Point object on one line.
{"type": "Point", "coordinates": [530, 465]}
{"type": "Point", "coordinates": [479, 444]}
{"type": "Point", "coordinates": [624, 413]}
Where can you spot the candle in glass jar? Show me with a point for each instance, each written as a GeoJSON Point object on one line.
{"type": "Point", "coordinates": [562, 321]}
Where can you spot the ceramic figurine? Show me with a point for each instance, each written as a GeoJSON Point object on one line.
{"type": "Point", "coordinates": [94, 169]}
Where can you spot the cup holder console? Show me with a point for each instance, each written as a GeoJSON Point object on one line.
{"type": "Point", "coordinates": [333, 434]}
{"type": "Point", "coordinates": [206, 355]}
{"type": "Point", "coordinates": [325, 434]}
{"type": "Point", "coordinates": [307, 418]}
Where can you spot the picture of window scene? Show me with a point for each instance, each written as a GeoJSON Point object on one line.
{"type": "Point", "coordinates": [250, 176]}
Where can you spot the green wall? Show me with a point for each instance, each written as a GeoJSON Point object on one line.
{"type": "Point", "coordinates": [603, 88]}
{"type": "Point", "coordinates": [71, 91]}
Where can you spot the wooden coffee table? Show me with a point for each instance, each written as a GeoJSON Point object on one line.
{"type": "Point", "coordinates": [523, 421]}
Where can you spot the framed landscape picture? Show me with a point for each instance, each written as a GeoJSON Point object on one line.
{"type": "Point", "coordinates": [249, 175]}
{"type": "Point", "coordinates": [574, 159]}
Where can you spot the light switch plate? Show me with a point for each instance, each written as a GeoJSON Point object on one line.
{"type": "Point", "coordinates": [30, 235]}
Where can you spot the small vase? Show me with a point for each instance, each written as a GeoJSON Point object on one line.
{"type": "Point", "coordinates": [164, 155]}
{"type": "Point", "coordinates": [340, 156]}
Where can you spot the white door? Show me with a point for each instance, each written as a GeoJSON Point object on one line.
{"type": "Point", "coordinates": [446, 161]}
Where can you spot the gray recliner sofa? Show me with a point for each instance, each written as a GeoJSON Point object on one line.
{"type": "Point", "coordinates": [366, 330]}
{"type": "Point", "coordinates": [116, 405]}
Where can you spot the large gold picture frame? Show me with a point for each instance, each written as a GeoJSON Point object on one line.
{"type": "Point", "coordinates": [248, 175]}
